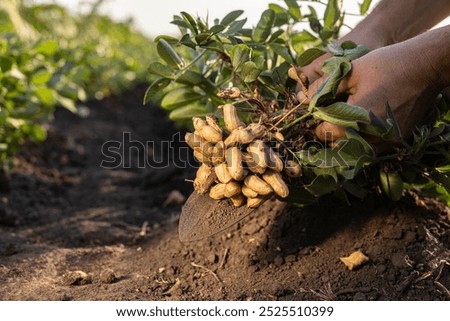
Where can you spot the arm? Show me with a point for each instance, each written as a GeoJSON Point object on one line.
{"type": "Point", "coordinates": [409, 75]}
{"type": "Point", "coordinates": [393, 21]}
{"type": "Point", "coordinates": [390, 22]}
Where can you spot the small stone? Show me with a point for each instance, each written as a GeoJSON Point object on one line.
{"type": "Point", "coordinates": [212, 258]}
{"type": "Point", "coordinates": [278, 260]}
{"type": "Point", "coordinates": [76, 278]}
{"type": "Point", "coordinates": [107, 276]}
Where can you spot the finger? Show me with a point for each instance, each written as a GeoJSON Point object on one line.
{"type": "Point", "coordinates": [327, 132]}
{"type": "Point", "coordinates": [305, 96]}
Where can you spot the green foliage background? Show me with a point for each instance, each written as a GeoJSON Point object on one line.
{"type": "Point", "coordinates": [49, 57]}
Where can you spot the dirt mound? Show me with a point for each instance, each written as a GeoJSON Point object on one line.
{"type": "Point", "coordinates": [72, 230]}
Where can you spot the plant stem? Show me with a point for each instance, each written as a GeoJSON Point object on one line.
{"type": "Point", "coordinates": [308, 114]}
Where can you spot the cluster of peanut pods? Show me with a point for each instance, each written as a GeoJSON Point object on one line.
{"type": "Point", "coordinates": [237, 160]}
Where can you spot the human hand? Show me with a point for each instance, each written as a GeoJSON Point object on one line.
{"type": "Point", "coordinates": [392, 74]}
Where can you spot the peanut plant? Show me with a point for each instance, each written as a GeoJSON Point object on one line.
{"type": "Point", "coordinates": [213, 68]}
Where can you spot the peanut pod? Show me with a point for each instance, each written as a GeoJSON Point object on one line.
{"type": "Point", "coordinates": [194, 141]}
{"type": "Point", "coordinates": [238, 200]}
{"type": "Point", "coordinates": [213, 122]}
{"type": "Point", "coordinates": [252, 165]}
{"type": "Point", "coordinates": [217, 192]}
{"type": "Point", "coordinates": [233, 158]}
{"type": "Point", "coordinates": [198, 122]}
{"type": "Point", "coordinates": [232, 188]}
{"type": "Point", "coordinates": [204, 179]}
{"type": "Point", "coordinates": [231, 118]}
{"type": "Point", "coordinates": [244, 136]}
{"type": "Point", "coordinates": [257, 150]}
{"type": "Point", "coordinates": [278, 136]}
{"type": "Point", "coordinates": [209, 134]}
{"type": "Point", "coordinates": [254, 202]}
{"type": "Point", "coordinates": [257, 129]}
{"type": "Point", "coordinates": [274, 160]}
{"type": "Point", "coordinates": [277, 183]}
{"type": "Point", "coordinates": [218, 153]}
{"type": "Point", "coordinates": [222, 173]}
{"type": "Point", "coordinates": [202, 158]}
{"type": "Point", "coordinates": [293, 169]}
{"type": "Point", "coordinates": [248, 192]}
{"type": "Point", "coordinates": [232, 139]}
{"type": "Point", "coordinates": [258, 185]}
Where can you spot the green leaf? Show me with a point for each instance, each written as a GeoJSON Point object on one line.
{"type": "Point", "coordinates": [37, 133]}
{"type": "Point", "coordinates": [40, 78]}
{"type": "Point", "coordinates": [264, 27]}
{"type": "Point", "coordinates": [351, 134]}
{"type": "Point", "coordinates": [187, 112]}
{"type": "Point", "coordinates": [282, 51]}
{"type": "Point", "coordinates": [180, 23]}
{"type": "Point", "coordinates": [169, 39]}
{"type": "Point", "coordinates": [216, 29]}
{"type": "Point", "coordinates": [249, 71]}
{"type": "Point", "coordinates": [47, 48]}
{"type": "Point", "coordinates": [391, 184]}
{"type": "Point", "coordinates": [45, 95]}
{"type": "Point", "coordinates": [190, 77]}
{"type": "Point", "coordinates": [332, 14]}
{"type": "Point", "coordinates": [322, 185]}
{"type": "Point", "coordinates": [191, 22]}
{"type": "Point", "coordinates": [236, 27]}
{"type": "Point", "coordinates": [154, 88]}
{"type": "Point", "coordinates": [231, 17]}
{"type": "Point", "coordinates": [67, 103]}
{"type": "Point", "coordinates": [342, 114]}
{"type": "Point", "coordinates": [364, 6]}
{"type": "Point", "coordinates": [6, 63]}
{"type": "Point", "coordinates": [202, 37]}
{"type": "Point", "coordinates": [330, 171]}
{"type": "Point", "coordinates": [281, 15]}
{"type": "Point", "coordinates": [309, 56]}
{"type": "Point", "coordinates": [179, 97]}
{"type": "Point", "coordinates": [187, 41]}
{"type": "Point", "coordinates": [294, 9]}
{"type": "Point", "coordinates": [168, 54]}
{"type": "Point", "coordinates": [239, 54]}
{"type": "Point", "coordinates": [336, 68]}
{"type": "Point", "coordinates": [157, 68]}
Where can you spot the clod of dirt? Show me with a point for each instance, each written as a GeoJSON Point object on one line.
{"type": "Point", "coordinates": [107, 276]}
{"type": "Point", "coordinates": [354, 260]}
{"type": "Point", "coordinates": [76, 278]}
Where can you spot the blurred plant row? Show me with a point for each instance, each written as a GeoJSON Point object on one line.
{"type": "Point", "coordinates": [50, 57]}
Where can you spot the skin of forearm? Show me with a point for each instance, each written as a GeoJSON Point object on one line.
{"type": "Point", "coordinates": [434, 46]}
{"type": "Point", "coordinates": [394, 21]}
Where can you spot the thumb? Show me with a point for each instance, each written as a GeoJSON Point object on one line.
{"type": "Point", "coordinates": [327, 132]}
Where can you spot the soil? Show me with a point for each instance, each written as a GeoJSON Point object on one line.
{"type": "Point", "coordinates": [72, 230]}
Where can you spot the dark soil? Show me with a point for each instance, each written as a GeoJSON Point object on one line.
{"type": "Point", "coordinates": [72, 230]}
